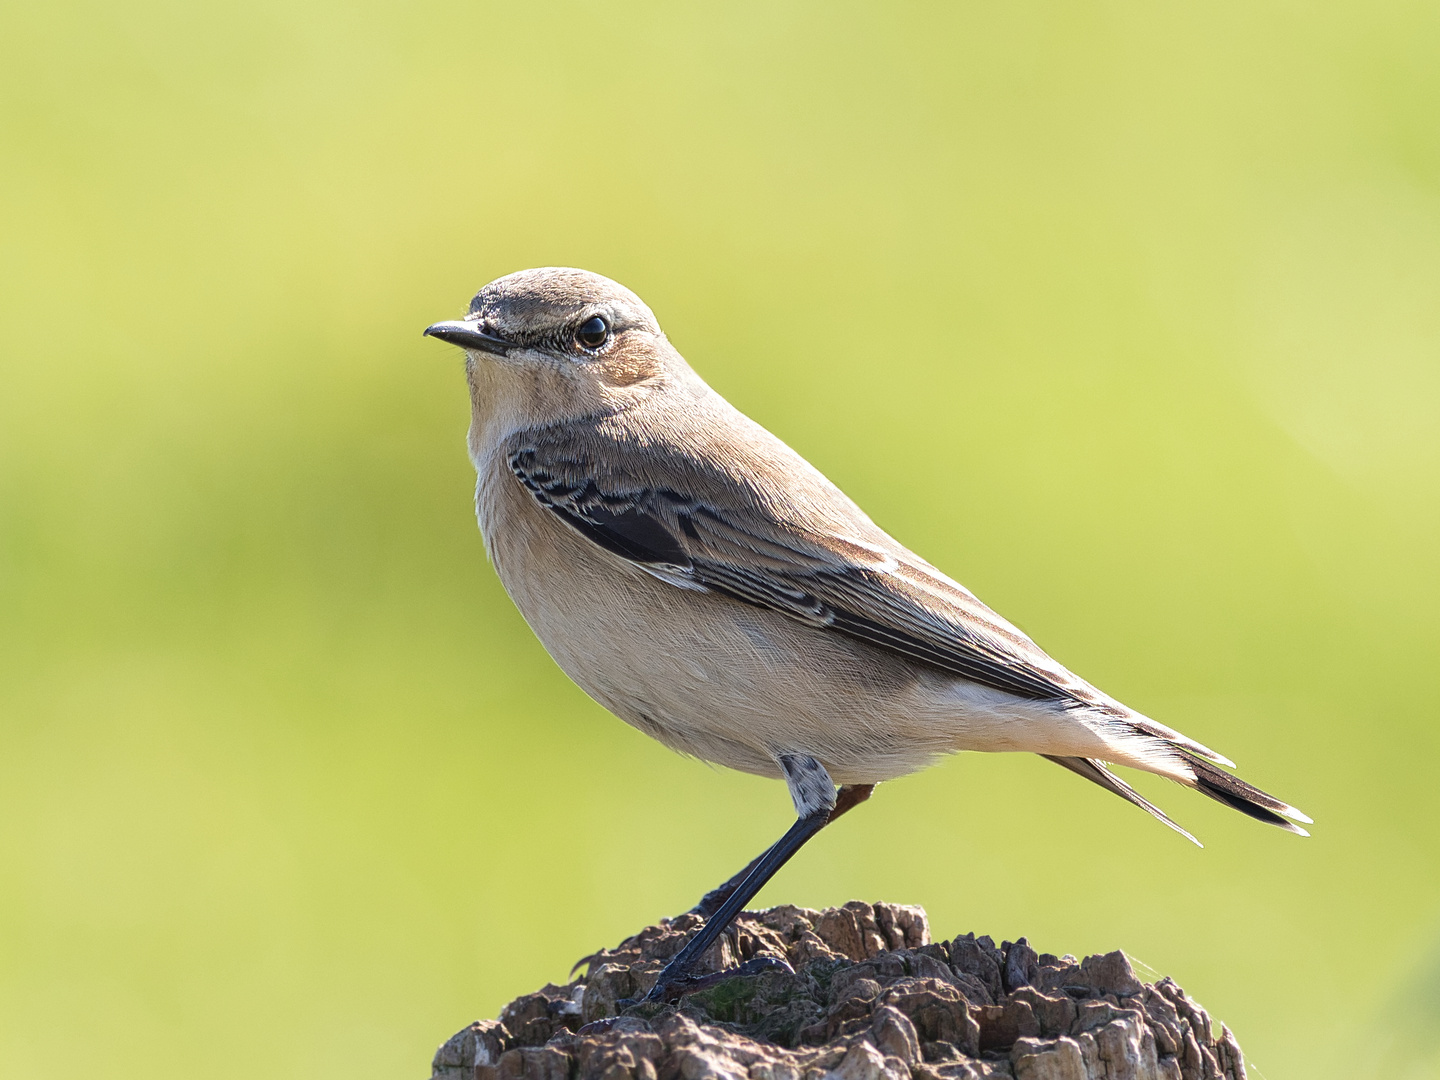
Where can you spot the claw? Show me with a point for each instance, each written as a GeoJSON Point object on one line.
{"type": "Point", "coordinates": [585, 960]}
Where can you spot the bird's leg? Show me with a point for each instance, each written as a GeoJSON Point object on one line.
{"type": "Point", "coordinates": [847, 798]}
{"type": "Point", "coordinates": [814, 795]}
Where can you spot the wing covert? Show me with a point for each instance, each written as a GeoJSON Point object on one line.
{"type": "Point", "coordinates": [676, 518]}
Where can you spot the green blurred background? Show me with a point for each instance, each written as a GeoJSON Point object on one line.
{"type": "Point", "coordinates": [1126, 314]}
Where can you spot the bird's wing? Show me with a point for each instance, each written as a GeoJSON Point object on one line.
{"type": "Point", "coordinates": [790, 542]}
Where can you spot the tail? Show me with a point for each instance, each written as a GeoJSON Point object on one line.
{"type": "Point", "coordinates": [1095, 772]}
{"type": "Point", "coordinates": [1238, 795]}
{"type": "Point", "coordinates": [1206, 779]}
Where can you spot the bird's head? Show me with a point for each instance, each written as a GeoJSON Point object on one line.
{"type": "Point", "coordinates": [556, 343]}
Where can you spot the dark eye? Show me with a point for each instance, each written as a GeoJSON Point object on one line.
{"type": "Point", "coordinates": [593, 332]}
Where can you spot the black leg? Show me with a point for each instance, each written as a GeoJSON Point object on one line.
{"type": "Point", "coordinates": [713, 900]}
{"type": "Point", "coordinates": [675, 978]}
{"type": "Point", "coordinates": [847, 798]}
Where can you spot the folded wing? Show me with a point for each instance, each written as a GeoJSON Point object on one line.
{"type": "Point", "coordinates": [679, 520]}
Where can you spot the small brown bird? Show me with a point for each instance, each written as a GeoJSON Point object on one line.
{"type": "Point", "coordinates": [709, 586]}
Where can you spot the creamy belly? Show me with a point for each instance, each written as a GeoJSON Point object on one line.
{"type": "Point", "coordinates": [736, 684]}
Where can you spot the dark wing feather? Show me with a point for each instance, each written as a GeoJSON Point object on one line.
{"type": "Point", "coordinates": [631, 535]}
{"type": "Point", "coordinates": [715, 538]}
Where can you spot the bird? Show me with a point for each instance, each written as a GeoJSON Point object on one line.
{"type": "Point", "coordinates": [709, 586]}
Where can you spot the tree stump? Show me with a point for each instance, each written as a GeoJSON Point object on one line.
{"type": "Point", "coordinates": [871, 997]}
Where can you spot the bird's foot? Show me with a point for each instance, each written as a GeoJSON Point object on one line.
{"type": "Point", "coordinates": [670, 986]}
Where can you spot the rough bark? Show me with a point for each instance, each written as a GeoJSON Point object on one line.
{"type": "Point", "coordinates": [871, 998]}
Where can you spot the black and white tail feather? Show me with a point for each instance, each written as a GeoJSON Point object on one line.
{"type": "Point", "coordinates": [1248, 799]}
{"type": "Point", "coordinates": [1208, 780]}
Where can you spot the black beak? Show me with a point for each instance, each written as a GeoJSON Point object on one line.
{"type": "Point", "coordinates": [468, 335]}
